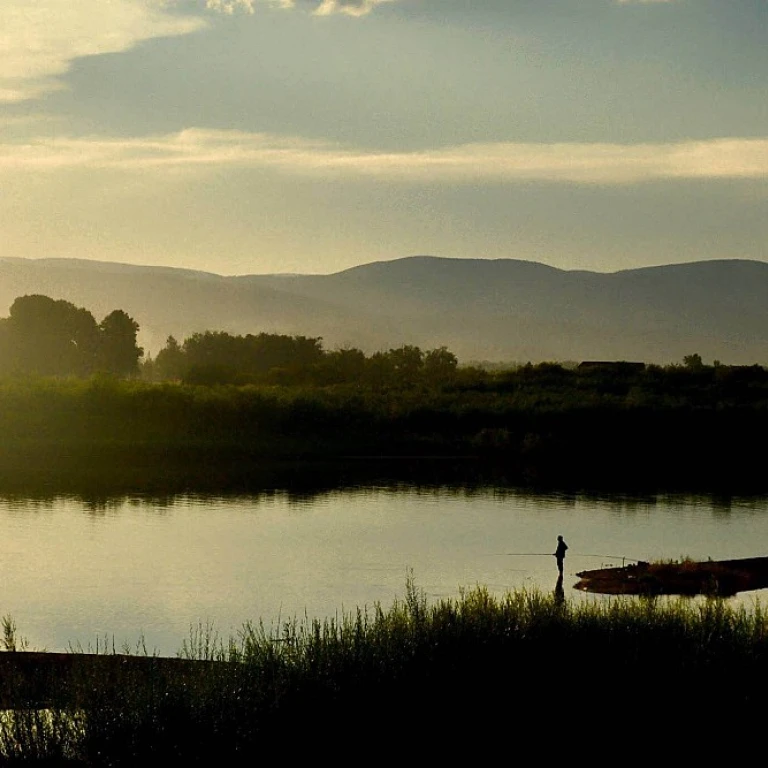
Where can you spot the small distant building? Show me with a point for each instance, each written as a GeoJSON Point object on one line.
{"type": "Point", "coordinates": [611, 366]}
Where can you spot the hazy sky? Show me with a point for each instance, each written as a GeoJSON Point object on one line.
{"type": "Point", "coordinates": [251, 136]}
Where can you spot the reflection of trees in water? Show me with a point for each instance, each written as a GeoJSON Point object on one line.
{"type": "Point", "coordinates": [101, 486]}
{"type": "Point", "coordinates": [24, 503]}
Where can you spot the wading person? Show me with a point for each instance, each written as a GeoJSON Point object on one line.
{"type": "Point", "coordinates": [560, 554]}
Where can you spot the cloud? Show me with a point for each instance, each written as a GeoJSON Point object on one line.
{"type": "Point", "coordinates": [348, 7]}
{"type": "Point", "coordinates": [318, 7]}
{"type": "Point", "coordinates": [40, 40]}
{"type": "Point", "coordinates": [579, 163]}
{"type": "Point", "coordinates": [231, 7]}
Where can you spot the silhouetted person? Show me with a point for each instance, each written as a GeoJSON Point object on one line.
{"type": "Point", "coordinates": [560, 554]}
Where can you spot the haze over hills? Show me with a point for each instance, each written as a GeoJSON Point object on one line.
{"type": "Point", "coordinates": [481, 309]}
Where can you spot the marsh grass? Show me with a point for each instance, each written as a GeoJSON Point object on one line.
{"type": "Point", "coordinates": [474, 665]}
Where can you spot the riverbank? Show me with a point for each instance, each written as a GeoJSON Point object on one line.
{"type": "Point", "coordinates": [65, 435]}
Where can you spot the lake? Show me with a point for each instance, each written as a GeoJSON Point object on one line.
{"type": "Point", "coordinates": [76, 573]}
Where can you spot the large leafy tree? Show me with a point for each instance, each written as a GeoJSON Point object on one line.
{"type": "Point", "coordinates": [51, 337]}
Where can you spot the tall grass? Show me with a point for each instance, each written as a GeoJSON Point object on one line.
{"type": "Point", "coordinates": [374, 679]}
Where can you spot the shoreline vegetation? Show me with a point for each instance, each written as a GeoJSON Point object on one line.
{"type": "Point", "coordinates": [459, 668]}
{"type": "Point", "coordinates": [540, 426]}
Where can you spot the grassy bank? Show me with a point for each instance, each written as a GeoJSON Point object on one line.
{"type": "Point", "coordinates": [571, 432]}
{"type": "Point", "coordinates": [415, 681]}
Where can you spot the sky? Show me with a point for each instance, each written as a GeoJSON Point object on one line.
{"type": "Point", "coordinates": [261, 136]}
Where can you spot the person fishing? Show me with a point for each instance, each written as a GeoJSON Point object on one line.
{"type": "Point", "coordinates": [560, 553]}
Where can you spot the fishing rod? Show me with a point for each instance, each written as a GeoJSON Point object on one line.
{"type": "Point", "coordinates": [520, 554]}
{"type": "Point", "coordinates": [623, 558]}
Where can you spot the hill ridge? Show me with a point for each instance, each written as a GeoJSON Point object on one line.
{"type": "Point", "coordinates": [494, 309]}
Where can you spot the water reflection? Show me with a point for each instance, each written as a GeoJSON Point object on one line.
{"type": "Point", "coordinates": [559, 591]}
{"type": "Point", "coordinates": [623, 506]}
{"type": "Point", "coordinates": [103, 483]}
{"type": "Point", "coordinates": [520, 499]}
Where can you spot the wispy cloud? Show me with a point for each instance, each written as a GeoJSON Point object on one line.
{"type": "Point", "coordinates": [230, 7]}
{"type": "Point", "coordinates": [317, 7]}
{"type": "Point", "coordinates": [345, 7]}
{"type": "Point", "coordinates": [580, 163]}
{"type": "Point", "coordinates": [348, 7]}
{"type": "Point", "coordinates": [40, 40]}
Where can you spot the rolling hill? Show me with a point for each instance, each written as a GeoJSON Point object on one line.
{"type": "Point", "coordinates": [481, 309]}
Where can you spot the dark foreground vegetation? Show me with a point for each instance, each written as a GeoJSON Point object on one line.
{"type": "Point", "coordinates": [461, 678]}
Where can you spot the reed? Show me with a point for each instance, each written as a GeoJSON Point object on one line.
{"type": "Point", "coordinates": [471, 664]}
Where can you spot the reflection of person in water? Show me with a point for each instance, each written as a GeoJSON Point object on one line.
{"type": "Point", "coordinates": [559, 591]}
{"type": "Point", "coordinates": [560, 554]}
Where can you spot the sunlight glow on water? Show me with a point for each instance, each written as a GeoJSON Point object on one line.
{"type": "Point", "coordinates": [78, 573]}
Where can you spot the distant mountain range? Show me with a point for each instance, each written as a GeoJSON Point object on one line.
{"type": "Point", "coordinates": [496, 310]}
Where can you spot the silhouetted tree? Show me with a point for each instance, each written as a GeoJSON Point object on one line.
{"type": "Point", "coordinates": [379, 370]}
{"type": "Point", "coordinates": [215, 348]}
{"type": "Point", "coordinates": [407, 363]}
{"type": "Point", "coordinates": [119, 352]}
{"type": "Point", "coordinates": [242, 356]}
{"type": "Point", "coordinates": [270, 350]}
{"type": "Point", "coordinates": [346, 364]}
{"type": "Point", "coordinates": [440, 365]}
{"type": "Point", "coordinates": [50, 337]}
{"type": "Point", "coordinates": [171, 362]}
{"type": "Point", "coordinates": [693, 362]}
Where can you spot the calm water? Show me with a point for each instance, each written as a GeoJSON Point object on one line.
{"type": "Point", "coordinates": [73, 573]}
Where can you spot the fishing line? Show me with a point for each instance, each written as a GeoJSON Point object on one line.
{"type": "Point", "coordinates": [614, 557]}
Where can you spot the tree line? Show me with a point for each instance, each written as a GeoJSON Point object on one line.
{"type": "Point", "coordinates": [47, 337]}
{"type": "Point", "coordinates": [217, 357]}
